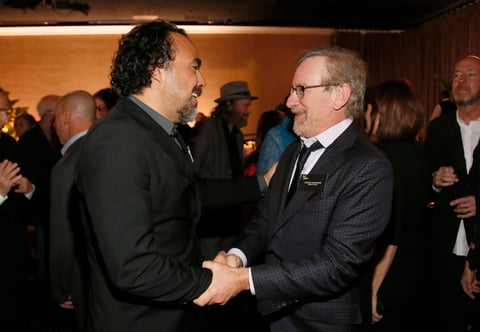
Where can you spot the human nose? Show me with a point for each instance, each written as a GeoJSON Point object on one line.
{"type": "Point", "coordinates": [292, 99]}
{"type": "Point", "coordinates": [201, 79]}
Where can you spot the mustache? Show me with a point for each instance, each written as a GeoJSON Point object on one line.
{"type": "Point", "coordinates": [197, 91]}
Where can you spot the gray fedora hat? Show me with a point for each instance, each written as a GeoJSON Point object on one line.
{"type": "Point", "coordinates": [235, 90]}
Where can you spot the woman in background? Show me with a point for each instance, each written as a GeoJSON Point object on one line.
{"type": "Point", "coordinates": [23, 123]}
{"type": "Point", "coordinates": [105, 99]}
{"type": "Point", "coordinates": [400, 253]}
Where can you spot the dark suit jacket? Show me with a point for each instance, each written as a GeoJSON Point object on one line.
{"type": "Point", "coordinates": [474, 254]}
{"type": "Point", "coordinates": [36, 158]}
{"type": "Point", "coordinates": [143, 200]}
{"type": "Point", "coordinates": [215, 158]}
{"type": "Point", "coordinates": [318, 246]}
{"type": "Point", "coordinates": [67, 252]}
{"type": "Point", "coordinates": [445, 148]}
{"type": "Point", "coordinates": [15, 256]}
{"type": "Point", "coordinates": [14, 252]}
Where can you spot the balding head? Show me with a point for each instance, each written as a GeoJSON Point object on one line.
{"type": "Point", "coordinates": [74, 113]}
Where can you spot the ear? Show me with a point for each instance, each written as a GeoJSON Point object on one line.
{"type": "Point", "coordinates": [66, 116]}
{"type": "Point", "coordinates": [341, 95]}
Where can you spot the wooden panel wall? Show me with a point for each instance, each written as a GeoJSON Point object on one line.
{"type": "Point", "coordinates": [33, 66]}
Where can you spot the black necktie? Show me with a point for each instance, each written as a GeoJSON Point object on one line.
{"type": "Point", "coordinates": [181, 143]}
{"type": "Point", "coordinates": [302, 158]}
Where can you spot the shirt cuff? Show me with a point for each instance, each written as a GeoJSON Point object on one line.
{"type": "Point", "coordinates": [250, 281]}
{"type": "Point", "coordinates": [240, 254]}
{"type": "Point", "coordinates": [30, 194]}
{"type": "Point", "coordinates": [3, 199]}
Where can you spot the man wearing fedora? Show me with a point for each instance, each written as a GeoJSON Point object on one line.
{"type": "Point", "coordinates": [217, 148]}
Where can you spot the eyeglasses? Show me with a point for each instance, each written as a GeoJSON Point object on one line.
{"type": "Point", "coordinates": [300, 89]}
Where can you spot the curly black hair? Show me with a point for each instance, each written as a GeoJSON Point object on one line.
{"type": "Point", "coordinates": [144, 48]}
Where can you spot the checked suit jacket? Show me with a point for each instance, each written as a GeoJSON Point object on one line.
{"type": "Point", "coordinates": [318, 246]}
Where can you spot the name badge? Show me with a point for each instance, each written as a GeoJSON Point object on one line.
{"type": "Point", "coordinates": [312, 182]}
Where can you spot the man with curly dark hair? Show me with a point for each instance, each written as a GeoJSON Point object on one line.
{"type": "Point", "coordinates": [140, 193]}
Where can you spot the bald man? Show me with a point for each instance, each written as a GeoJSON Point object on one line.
{"type": "Point", "coordinates": [451, 141]}
{"type": "Point", "coordinates": [74, 114]}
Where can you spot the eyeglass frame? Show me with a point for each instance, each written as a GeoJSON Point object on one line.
{"type": "Point", "coordinates": [302, 88]}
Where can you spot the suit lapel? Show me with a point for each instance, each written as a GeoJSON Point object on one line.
{"type": "Point", "coordinates": [331, 159]}
{"type": "Point", "coordinates": [160, 137]}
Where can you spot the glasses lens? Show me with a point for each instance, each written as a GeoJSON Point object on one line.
{"type": "Point", "coordinates": [299, 90]}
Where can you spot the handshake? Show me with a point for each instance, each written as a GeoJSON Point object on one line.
{"type": "Point", "coordinates": [229, 279]}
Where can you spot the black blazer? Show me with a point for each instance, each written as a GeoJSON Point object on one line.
{"type": "Point", "coordinates": [67, 251]}
{"type": "Point", "coordinates": [142, 200]}
{"type": "Point", "coordinates": [36, 158]}
{"type": "Point", "coordinates": [318, 247]}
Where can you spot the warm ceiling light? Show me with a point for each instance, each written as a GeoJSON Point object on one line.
{"type": "Point", "coordinates": [62, 30]}
{"type": "Point", "coordinates": [145, 18]}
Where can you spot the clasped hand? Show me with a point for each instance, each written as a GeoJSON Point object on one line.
{"type": "Point", "coordinates": [10, 177]}
{"type": "Point", "coordinates": [228, 280]}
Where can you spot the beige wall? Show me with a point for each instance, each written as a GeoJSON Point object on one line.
{"type": "Point", "coordinates": [33, 66]}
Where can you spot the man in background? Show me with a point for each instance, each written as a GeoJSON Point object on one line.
{"type": "Point", "coordinates": [217, 148]}
{"type": "Point", "coordinates": [74, 114]}
{"type": "Point", "coordinates": [37, 151]}
{"type": "Point", "coordinates": [451, 140]}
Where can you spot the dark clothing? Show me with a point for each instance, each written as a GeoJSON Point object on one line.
{"type": "Point", "coordinates": [447, 106]}
{"type": "Point", "coordinates": [68, 266]}
{"type": "Point", "coordinates": [317, 249]}
{"type": "Point", "coordinates": [452, 309]}
{"type": "Point", "coordinates": [36, 158]}
{"type": "Point", "coordinates": [7, 147]}
{"type": "Point", "coordinates": [401, 289]}
{"type": "Point", "coordinates": [143, 200]}
{"type": "Point", "coordinates": [14, 251]}
{"type": "Point", "coordinates": [218, 154]}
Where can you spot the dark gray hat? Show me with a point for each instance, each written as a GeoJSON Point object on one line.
{"type": "Point", "coordinates": [235, 90]}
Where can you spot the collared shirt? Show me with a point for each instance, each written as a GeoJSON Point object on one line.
{"type": "Point", "coordinates": [326, 138]}
{"type": "Point", "coordinates": [162, 121]}
{"type": "Point", "coordinates": [72, 140]}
